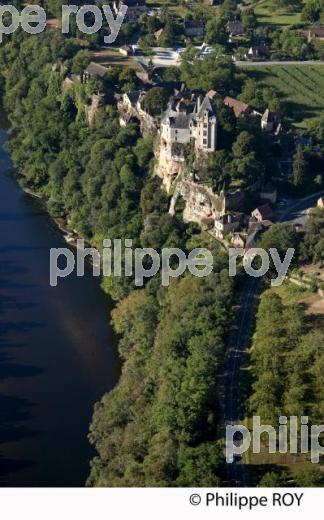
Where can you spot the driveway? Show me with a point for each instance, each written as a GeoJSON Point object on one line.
{"type": "Point", "coordinates": [162, 57]}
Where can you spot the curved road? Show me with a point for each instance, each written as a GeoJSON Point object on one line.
{"type": "Point", "coordinates": [293, 213]}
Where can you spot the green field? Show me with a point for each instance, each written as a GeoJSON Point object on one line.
{"type": "Point", "coordinates": [266, 14]}
{"type": "Point", "coordinates": [182, 9]}
{"type": "Point", "coordinates": [300, 88]}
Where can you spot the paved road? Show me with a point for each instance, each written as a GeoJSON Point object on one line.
{"type": "Point", "coordinates": [271, 63]}
{"type": "Point", "coordinates": [238, 344]}
{"type": "Point", "coordinates": [294, 212]}
{"type": "Point", "coordinates": [297, 212]}
{"type": "Point", "coordinates": [167, 57]}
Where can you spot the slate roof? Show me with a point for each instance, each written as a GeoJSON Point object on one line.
{"type": "Point", "coordinates": [205, 105]}
{"type": "Point", "coordinates": [180, 121]}
{"type": "Point", "coordinates": [134, 96]}
{"type": "Point", "coordinates": [95, 69]}
{"type": "Point", "coordinates": [265, 211]}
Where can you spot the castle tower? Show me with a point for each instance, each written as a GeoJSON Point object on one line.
{"type": "Point", "coordinates": [206, 126]}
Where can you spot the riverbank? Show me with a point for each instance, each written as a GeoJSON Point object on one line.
{"type": "Point", "coordinates": [59, 354]}
{"type": "Point", "coordinates": [71, 237]}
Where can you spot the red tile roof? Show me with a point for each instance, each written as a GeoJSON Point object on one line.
{"type": "Point", "coordinates": [238, 106]}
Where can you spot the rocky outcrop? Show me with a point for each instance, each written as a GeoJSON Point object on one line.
{"type": "Point", "coordinates": [202, 204]}
{"type": "Point", "coordinates": [148, 124]}
{"type": "Point", "coordinates": [97, 101]}
{"type": "Point", "coordinates": [169, 167]}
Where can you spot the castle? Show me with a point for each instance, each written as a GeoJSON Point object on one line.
{"type": "Point", "coordinates": [190, 120]}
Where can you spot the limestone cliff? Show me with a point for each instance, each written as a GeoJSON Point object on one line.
{"type": "Point", "coordinates": [202, 204]}
{"type": "Point", "coordinates": [169, 166]}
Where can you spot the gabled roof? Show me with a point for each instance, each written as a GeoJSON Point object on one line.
{"type": "Point", "coordinates": [265, 211]}
{"type": "Point", "coordinates": [134, 96]}
{"type": "Point", "coordinates": [205, 105]}
{"type": "Point", "coordinates": [126, 48]}
{"type": "Point", "coordinates": [212, 94]}
{"type": "Point", "coordinates": [144, 78]}
{"type": "Point", "coordinates": [270, 117]}
{"type": "Point", "coordinates": [95, 69]}
{"type": "Point", "coordinates": [257, 50]}
{"type": "Point", "coordinates": [317, 31]}
{"type": "Point", "coordinates": [158, 33]}
{"type": "Point", "coordinates": [238, 106]}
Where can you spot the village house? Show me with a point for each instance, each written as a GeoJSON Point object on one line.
{"type": "Point", "coordinates": [270, 121]}
{"type": "Point", "coordinates": [257, 53]}
{"type": "Point", "coordinates": [94, 70]}
{"type": "Point", "coordinates": [126, 50]}
{"type": "Point", "coordinates": [239, 240]}
{"type": "Point", "coordinates": [235, 28]}
{"type": "Point", "coordinates": [145, 79]}
{"type": "Point", "coordinates": [262, 213]}
{"type": "Point", "coordinates": [236, 57]}
{"type": "Point", "coordinates": [135, 8]}
{"type": "Point", "coordinates": [238, 107]}
{"type": "Point", "coordinates": [315, 33]}
{"type": "Point", "coordinates": [194, 29]}
{"type": "Point", "coordinates": [130, 107]}
{"type": "Point", "coordinates": [226, 225]}
{"type": "Point", "coordinates": [132, 100]}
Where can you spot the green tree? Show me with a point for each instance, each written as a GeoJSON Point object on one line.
{"type": "Point", "coordinates": [299, 168]}
{"type": "Point", "coordinates": [155, 101]}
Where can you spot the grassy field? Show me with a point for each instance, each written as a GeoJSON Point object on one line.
{"type": "Point", "coordinates": [267, 15]}
{"type": "Point", "coordinates": [112, 57]}
{"type": "Point", "coordinates": [299, 87]}
{"type": "Point", "coordinates": [181, 9]}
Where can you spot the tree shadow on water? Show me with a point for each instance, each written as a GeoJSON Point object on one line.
{"type": "Point", "coordinates": [14, 413]}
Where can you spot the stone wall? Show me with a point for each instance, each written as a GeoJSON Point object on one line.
{"type": "Point", "coordinates": [148, 124]}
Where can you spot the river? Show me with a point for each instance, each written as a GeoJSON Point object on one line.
{"type": "Point", "coordinates": [57, 352]}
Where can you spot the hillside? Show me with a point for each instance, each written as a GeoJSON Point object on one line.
{"type": "Point", "coordinates": [298, 86]}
